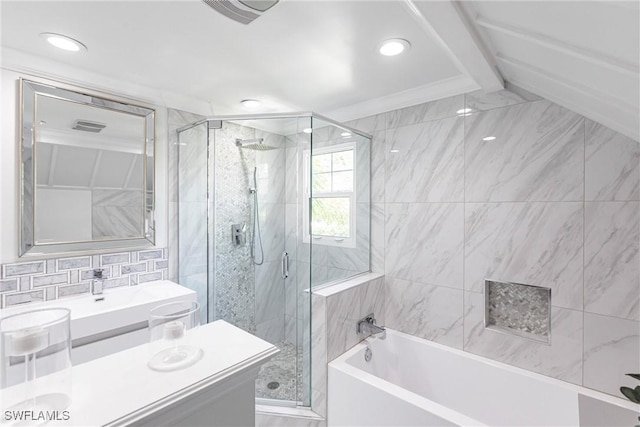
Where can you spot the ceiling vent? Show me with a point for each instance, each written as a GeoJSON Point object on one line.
{"type": "Point", "coordinates": [243, 11]}
{"type": "Point", "coordinates": [88, 126]}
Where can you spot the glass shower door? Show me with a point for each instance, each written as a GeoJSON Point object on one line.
{"type": "Point", "coordinates": [256, 283]}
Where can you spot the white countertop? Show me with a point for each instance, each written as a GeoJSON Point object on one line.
{"type": "Point", "coordinates": [121, 388]}
{"type": "Point", "coordinates": [121, 307]}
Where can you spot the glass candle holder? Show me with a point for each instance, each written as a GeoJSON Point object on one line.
{"type": "Point", "coordinates": [35, 358]}
{"type": "Point", "coordinates": [174, 332]}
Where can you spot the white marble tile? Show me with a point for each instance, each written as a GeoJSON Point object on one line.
{"type": "Point", "coordinates": [426, 311]}
{"type": "Point", "coordinates": [192, 238]}
{"type": "Point", "coordinates": [319, 355]}
{"type": "Point", "coordinates": [290, 328]}
{"type": "Point", "coordinates": [377, 237]}
{"type": "Point", "coordinates": [531, 243]}
{"type": "Point", "coordinates": [173, 241]}
{"type": "Point", "coordinates": [429, 163]}
{"type": "Point", "coordinates": [270, 169]}
{"type": "Point", "coordinates": [511, 95]}
{"type": "Point", "coordinates": [424, 242]}
{"type": "Point", "coordinates": [562, 359]}
{"type": "Point", "coordinates": [355, 259]}
{"type": "Point", "coordinates": [315, 253]}
{"type": "Point", "coordinates": [172, 166]}
{"type": "Point", "coordinates": [269, 292]}
{"type": "Point", "coordinates": [293, 290]}
{"type": "Point", "coordinates": [271, 330]}
{"type": "Point", "coordinates": [612, 266]}
{"type": "Point", "coordinates": [428, 111]}
{"type": "Point", "coordinates": [369, 124]}
{"type": "Point", "coordinates": [611, 350]}
{"type": "Point", "coordinates": [378, 174]}
{"type": "Point", "coordinates": [538, 154]}
{"type": "Point", "coordinates": [612, 168]}
{"type": "Point", "coordinates": [342, 317]}
{"type": "Point", "coordinates": [373, 297]}
{"type": "Point", "coordinates": [116, 222]}
{"type": "Point", "coordinates": [291, 213]}
{"type": "Point", "coordinates": [192, 165]}
{"type": "Point", "coordinates": [293, 173]}
{"type": "Point", "coordinates": [310, 275]}
{"type": "Point", "coordinates": [198, 283]}
{"type": "Point", "coordinates": [272, 216]}
{"type": "Point", "coordinates": [363, 169]}
{"type": "Point", "coordinates": [334, 274]}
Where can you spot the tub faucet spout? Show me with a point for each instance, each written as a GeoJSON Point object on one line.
{"type": "Point", "coordinates": [368, 326]}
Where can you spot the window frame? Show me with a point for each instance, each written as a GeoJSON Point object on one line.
{"type": "Point", "coordinates": [307, 196]}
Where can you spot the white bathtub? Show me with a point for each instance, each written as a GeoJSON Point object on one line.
{"type": "Point", "coordinates": [415, 382]}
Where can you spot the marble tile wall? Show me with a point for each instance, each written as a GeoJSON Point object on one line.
{"type": "Point", "coordinates": [552, 201]}
{"type": "Point", "coordinates": [116, 213]}
{"type": "Point", "coordinates": [336, 310]}
{"type": "Point", "coordinates": [46, 280]}
{"type": "Point", "coordinates": [188, 206]}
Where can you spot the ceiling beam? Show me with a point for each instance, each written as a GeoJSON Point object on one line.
{"type": "Point", "coordinates": [569, 95]}
{"type": "Point", "coordinates": [590, 55]}
{"type": "Point", "coordinates": [446, 22]}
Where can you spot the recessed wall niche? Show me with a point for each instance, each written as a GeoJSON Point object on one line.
{"type": "Point", "coordinates": [518, 309]}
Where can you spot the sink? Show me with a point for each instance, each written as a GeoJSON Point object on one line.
{"type": "Point", "coordinates": [123, 307]}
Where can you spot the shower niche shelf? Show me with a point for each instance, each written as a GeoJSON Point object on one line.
{"type": "Point", "coordinates": [518, 309]}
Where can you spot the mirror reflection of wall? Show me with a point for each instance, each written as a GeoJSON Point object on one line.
{"type": "Point", "coordinates": [89, 172]}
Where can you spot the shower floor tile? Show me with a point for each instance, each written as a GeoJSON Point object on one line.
{"type": "Point", "coordinates": [284, 369]}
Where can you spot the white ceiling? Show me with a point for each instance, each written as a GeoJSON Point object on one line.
{"type": "Point", "coordinates": [583, 55]}
{"type": "Point", "coordinates": [321, 55]}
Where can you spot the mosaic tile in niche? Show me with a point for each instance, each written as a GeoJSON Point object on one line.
{"type": "Point", "coordinates": [522, 310]}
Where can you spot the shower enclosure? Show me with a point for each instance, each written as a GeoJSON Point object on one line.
{"type": "Point", "coordinates": [270, 207]}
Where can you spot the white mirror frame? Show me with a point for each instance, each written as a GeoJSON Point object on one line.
{"type": "Point", "coordinates": [28, 247]}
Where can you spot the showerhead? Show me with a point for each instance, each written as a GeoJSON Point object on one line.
{"type": "Point", "coordinates": [254, 144]}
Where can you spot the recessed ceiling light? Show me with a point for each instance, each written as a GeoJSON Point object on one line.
{"type": "Point", "coordinates": [393, 47]}
{"type": "Point", "coordinates": [464, 111]}
{"type": "Point", "coordinates": [63, 42]}
{"type": "Point", "coordinates": [251, 104]}
{"type": "Point", "coordinates": [394, 151]}
{"type": "Point", "coordinates": [345, 134]}
{"type": "Point", "coordinates": [307, 130]}
{"type": "Point", "coordinates": [488, 138]}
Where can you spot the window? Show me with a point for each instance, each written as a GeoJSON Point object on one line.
{"type": "Point", "coordinates": [331, 195]}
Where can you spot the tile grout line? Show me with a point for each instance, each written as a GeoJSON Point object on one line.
{"type": "Point", "coordinates": [584, 225]}
{"type": "Point", "coordinates": [464, 216]}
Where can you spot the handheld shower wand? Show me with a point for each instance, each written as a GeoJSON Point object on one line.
{"type": "Point", "coordinates": [256, 221]}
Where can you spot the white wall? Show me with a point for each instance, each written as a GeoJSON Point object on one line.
{"type": "Point", "coordinates": [9, 182]}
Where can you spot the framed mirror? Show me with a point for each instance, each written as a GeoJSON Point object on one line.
{"type": "Point", "coordinates": [87, 171]}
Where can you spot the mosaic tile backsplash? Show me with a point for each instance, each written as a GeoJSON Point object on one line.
{"type": "Point", "coordinates": [520, 309]}
{"type": "Point", "coordinates": [45, 280]}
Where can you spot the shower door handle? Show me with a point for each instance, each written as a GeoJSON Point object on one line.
{"type": "Point", "coordinates": [285, 265]}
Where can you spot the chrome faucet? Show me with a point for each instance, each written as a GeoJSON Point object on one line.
{"type": "Point", "coordinates": [97, 283]}
{"type": "Point", "coordinates": [368, 326]}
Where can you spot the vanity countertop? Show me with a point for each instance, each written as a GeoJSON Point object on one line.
{"type": "Point", "coordinates": [121, 307]}
{"type": "Point", "coordinates": [121, 389]}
